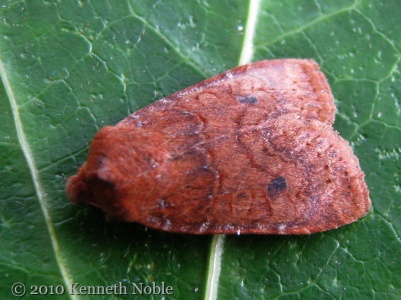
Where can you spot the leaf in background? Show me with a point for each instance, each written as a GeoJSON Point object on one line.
{"type": "Point", "coordinates": [69, 68]}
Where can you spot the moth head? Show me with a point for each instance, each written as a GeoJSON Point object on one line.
{"type": "Point", "coordinates": [119, 166]}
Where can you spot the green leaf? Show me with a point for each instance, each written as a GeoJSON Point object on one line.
{"type": "Point", "coordinates": [70, 67]}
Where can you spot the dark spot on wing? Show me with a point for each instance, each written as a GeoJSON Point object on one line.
{"type": "Point", "coordinates": [276, 186]}
{"type": "Point", "coordinates": [247, 99]}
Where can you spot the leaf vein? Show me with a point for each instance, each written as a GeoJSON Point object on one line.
{"type": "Point", "coordinates": [310, 24]}
{"type": "Point", "coordinates": [26, 150]}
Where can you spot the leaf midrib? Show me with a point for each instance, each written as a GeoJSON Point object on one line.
{"type": "Point", "coordinates": [217, 242]}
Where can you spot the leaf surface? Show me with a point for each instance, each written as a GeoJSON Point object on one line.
{"type": "Point", "coordinates": [69, 68]}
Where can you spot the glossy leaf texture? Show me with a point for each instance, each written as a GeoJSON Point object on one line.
{"type": "Point", "coordinates": [68, 68]}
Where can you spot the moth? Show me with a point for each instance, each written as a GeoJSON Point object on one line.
{"type": "Point", "coordinates": [249, 151]}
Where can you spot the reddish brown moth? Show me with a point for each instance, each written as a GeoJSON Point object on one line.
{"type": "Point", "coordinates": [251, 150]}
